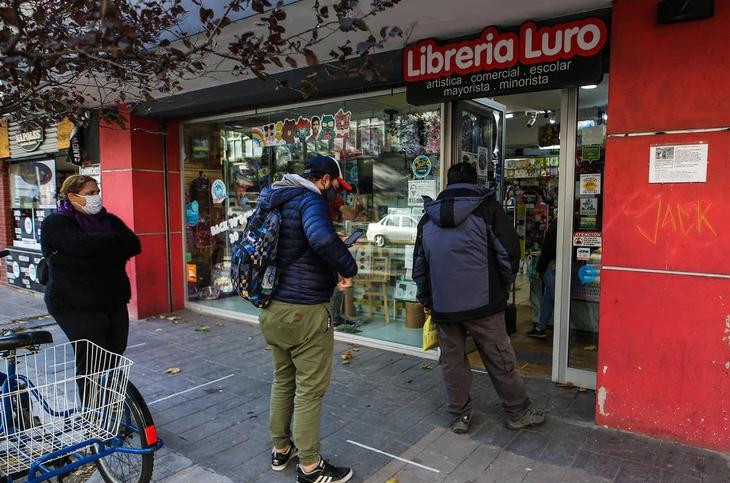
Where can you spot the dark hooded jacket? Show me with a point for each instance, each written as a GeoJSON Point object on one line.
{"type": "Point", "coordinates": [307, 235]}
{"type": "Point", "coordinates": [466, 256]}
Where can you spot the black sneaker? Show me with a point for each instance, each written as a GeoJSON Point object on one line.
{"type": "Point", "coordinates": [537, 334]}
{"type": "Point", "coordinates": [324, 472]}
{"type": "Point", "coordinates": [279, 461]}
{"type": "Point", "coordinates": [460, 425]}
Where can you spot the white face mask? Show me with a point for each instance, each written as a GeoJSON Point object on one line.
{"type": "Point", "coordinates": [93, 204]}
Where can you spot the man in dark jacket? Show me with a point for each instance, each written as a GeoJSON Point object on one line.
{"type": "Point", "coordinates": [546, 273]}
{"type": "Point", "coordinates": [466, 257]}
{"type": "Point", "coordinates": [298, 324]}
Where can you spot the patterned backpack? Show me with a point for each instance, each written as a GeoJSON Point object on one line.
{"type": "Point", "coordinates": [254, 273]}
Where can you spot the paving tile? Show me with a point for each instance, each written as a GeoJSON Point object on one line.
{"type": "Point", "coordinates": [474, 465]}
{"type": "Point", "coordinates": [598, 464]}
{"type": "Point", "coordinates": [546, 473]}
{"type": "Point", "coordinates": [495, 433]}
{"type": "Point", "coordinates": [636, 473]}
{"type": "Point", "coordinates": [197, 473]}
{"type": "Point", "coordinates": [674, 477]}
{"type": "Point", "coordinates": [681, 459]}
{"type": "Point", "coordinates": [623, 445]}
{"type": "Point", "coordinates": [529, 444]}
{"type": "Point", "coordinates": [561, 451]}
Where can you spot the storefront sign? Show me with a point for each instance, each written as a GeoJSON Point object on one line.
{"type": "Point", "coordinates": [64, 131]}
{"type": "Point", "coordinates": [588, 274]}
{"type": "Point", "coordinates": [4, 139]}
{"type": "Point", "coordinates": [583, 254]}
{"type": "Point", "coordinates": [685, 163]}
{"type": "Point", "coordinates": [587, 239]}
{"type": "Point", "coordinates": [30, 137]}
{"type": "Point", "coordinates": [421, 166]}
{"type": "Point", "coordinates": [192, 213]}
{"type": "Point", "coordinates": [535, 56]}
{"type": "Point", "coordinates": [590, 153]}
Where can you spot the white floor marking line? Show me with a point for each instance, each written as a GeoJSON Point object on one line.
{"type": "Point", "coordinates": [136, 345]}
{"type": "Point", "coordinates": [191, 389]}
{"type": "Point", "coordinates": [395, 457]}
{"type": "Point", "coordinates": [479, 371]}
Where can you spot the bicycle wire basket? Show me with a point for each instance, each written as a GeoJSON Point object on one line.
{"type": "Point", "coordinates": [47, 404]}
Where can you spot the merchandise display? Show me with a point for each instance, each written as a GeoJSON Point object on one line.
{"type": "Point", "coordinates": [391, 157]}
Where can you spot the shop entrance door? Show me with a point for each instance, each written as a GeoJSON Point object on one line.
{"type": "Point", "coordinates": [548, 169]}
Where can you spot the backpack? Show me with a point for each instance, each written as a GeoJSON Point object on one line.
{"type": "Point", "coordinates": [254, 271]}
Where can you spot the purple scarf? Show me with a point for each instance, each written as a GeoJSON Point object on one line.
{"type": "Point", "coordinates": [99, 223]}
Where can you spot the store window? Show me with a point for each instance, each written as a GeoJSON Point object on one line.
{"type": "Point", "coordinates": [390, 153]}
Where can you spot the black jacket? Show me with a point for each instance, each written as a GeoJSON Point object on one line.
{"type": "Point", "coordinates": [88, 271]}
{"type": "Point", "coordinates": [466, 256]}
{"type": "Point", "coordinates": [549, 247]}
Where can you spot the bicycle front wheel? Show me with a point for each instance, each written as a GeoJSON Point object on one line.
{"type": "Point", "coordinates": [126, 467]}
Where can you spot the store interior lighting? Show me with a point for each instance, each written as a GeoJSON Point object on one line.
{"type": "Point", "coordinates": [589, 86]}
{"type": "Point", "coordinates": [509, 115]}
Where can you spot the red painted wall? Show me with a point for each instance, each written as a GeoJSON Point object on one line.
{"type": "Point", "coordinates": [664, 355]}
{"type": "Point", "coordinates": [132, 187]}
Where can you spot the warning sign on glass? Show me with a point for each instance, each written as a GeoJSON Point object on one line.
{"type": "Point", "coordinates": [683, 163]}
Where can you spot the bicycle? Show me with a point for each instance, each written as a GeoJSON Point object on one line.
{"type": "Point", "coordinates": [54, 419]}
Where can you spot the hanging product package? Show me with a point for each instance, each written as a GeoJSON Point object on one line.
{"type": "Point", "coordinates": [430, 335]}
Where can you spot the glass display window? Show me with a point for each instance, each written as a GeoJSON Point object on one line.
{"type": "Point", "coordinates": [390, 153]}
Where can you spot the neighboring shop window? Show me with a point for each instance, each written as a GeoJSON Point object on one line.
{"type": "Point", "coordinates": [32, 197]}
{"type": "Point", "coordinates": [390, 152]}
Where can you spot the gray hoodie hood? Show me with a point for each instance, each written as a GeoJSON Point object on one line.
{"type": "Point", "coordinates": [455, 204]}
{"type": "Point", "coordinates": [295, 181]}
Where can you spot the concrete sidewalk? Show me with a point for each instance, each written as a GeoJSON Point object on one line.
{"type": "Point", "coordinates": [384, 416]}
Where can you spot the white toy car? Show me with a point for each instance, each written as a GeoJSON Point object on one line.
{"type": "Point", "coordinates": [393, 228]}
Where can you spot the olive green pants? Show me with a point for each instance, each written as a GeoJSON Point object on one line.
{"type": "Point", "coordinates": [302, 343]}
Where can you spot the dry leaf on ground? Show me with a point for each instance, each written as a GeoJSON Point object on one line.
{"type": "Point", "coordinates": [158, 330]}
{"type": "Point", "coordinates": [173, 370]}
{"type": "Point", "coordinates": [346, 357]}
{"type": "Point", "coordinates": [220, 324]}
{"type": "Point", "coordinates": [202, 328]}
{"type": "Point", "coordinates": [173, 318]}
{"type": "Point", "coordinates": [426, 366]}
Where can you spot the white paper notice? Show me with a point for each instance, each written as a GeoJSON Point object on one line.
{"type": "Point", "coordinates": [684, 163]}
{"type": "Point", "coordinates": [419, 188]}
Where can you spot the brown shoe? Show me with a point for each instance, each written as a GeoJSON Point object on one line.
{"type": "Point", "coordinates": [533, 417]}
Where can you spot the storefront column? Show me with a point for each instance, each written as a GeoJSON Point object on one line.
{"type": "Point", "coordinates": [133, 171]}
{"type": "Point", "coordinates": [664, 357]}
{"type": "Point", "coordinates": [6, 217]}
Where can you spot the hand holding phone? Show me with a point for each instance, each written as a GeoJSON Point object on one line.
{"type": "Point", "coordinates": [354, 237]}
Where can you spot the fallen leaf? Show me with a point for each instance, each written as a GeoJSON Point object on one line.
{"type": "Point", "coordinates": [202, 328]}
{"type": "Point", "coordinates": [426, 366]}
{"type": "Point", "coordinates": [173, 370]}
{"type": "Point", "coordinates": [346, 357]}
{"type": "Point", "coordinates": [391, 480]}
{"type": "Point", "coordinates": [220, 324]}
{"type": "Point", "coordinates": [158, 330]}
{"type": "Point", "coordinates": [174, 317]}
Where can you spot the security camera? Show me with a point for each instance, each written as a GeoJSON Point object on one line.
{"type": "Point", "coordinates": [531, 121]}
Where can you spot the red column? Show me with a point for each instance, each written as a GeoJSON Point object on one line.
{"type": "Point", "coordinates": [664, 356]}
{"type": "Point", "coordinates": [132, 176]}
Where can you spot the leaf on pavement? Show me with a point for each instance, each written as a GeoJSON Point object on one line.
{"type": "Point", "coordinates": [173, 370]}
{"type": "Point", "coordinates": [220, 324]}
{"type": "Point", "coordinates": [202, 328]}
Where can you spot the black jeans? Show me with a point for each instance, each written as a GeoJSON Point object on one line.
{"type": "Point", "coordinates": [106, 328]}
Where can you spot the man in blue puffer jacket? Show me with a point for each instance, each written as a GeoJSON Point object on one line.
{"type": "Point", "coordinates": [298, 324]}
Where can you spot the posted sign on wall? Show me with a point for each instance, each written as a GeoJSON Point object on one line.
{"type": "Point", "coordinates": [535, 56]}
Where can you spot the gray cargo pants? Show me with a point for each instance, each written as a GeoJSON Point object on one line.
{"type": "Point", "coordinates": [495, 349]}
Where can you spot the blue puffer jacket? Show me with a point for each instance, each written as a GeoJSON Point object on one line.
{"type": "Point", "coordinates": [306, 222]}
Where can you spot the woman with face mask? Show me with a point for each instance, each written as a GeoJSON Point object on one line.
{"type": "Point", "coordinates": [87, 250]}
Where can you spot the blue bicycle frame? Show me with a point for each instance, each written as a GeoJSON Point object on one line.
{"type": "Point", "coordinates": [39, 470]}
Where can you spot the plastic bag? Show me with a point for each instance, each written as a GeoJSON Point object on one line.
{"type": "Point", "coordinates": [430, 335]}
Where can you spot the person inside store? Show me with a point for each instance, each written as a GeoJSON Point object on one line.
{"type": "Point", "coordinates": [546, 272]}
{"type": "Point", "coordinates": [338, 214]}
{"type": "Point", "coordinates": [297, 324]}
{"type": "Point", "coordinates": [465, 290]}
{"type": "Point", "coordinates": [87, 249]}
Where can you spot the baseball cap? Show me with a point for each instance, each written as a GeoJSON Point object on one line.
{"type": "Point", "coordinates": [327, 165]}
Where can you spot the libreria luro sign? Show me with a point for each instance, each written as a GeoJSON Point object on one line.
{"type": "Point", "coordinates": [535, 56]}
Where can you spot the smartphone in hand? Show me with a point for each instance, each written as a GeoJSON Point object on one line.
{"type": "Point", "coordinates": [354, 237]}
